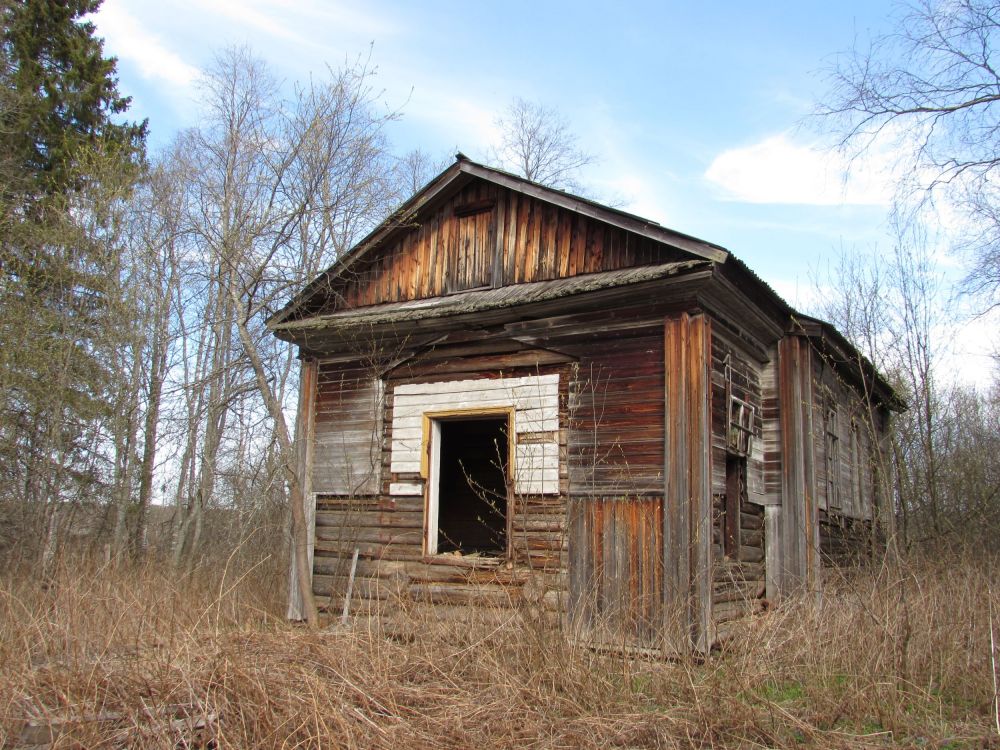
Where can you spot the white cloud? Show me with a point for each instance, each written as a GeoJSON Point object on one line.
{"type": "Point", "coordinates": [128, 40]}
{"type": "Point", "coordinates": [969, 351]}
{"type": "Point", "coordinates": [459, 120]}
{"type": "Point", "coordinates": [779, 169]}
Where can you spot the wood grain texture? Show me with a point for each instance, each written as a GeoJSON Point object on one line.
{"type": "Point", "coordinates": [347, 437]}
{"type": "Point", "coordinates": [510, 238]}
{"type": "Point", "coordinates": [616, 419]}
{"type": "Point", "coordinates": [800, 532]}
{"type": "Point", "coordinates": [616, 569]}
{"type": "Point", "coordinates": [687, 517]}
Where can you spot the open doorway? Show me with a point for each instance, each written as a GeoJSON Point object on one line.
{"type": "Point", "coordinates": [468, 501]}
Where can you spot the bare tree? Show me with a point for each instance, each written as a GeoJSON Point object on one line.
{"type": "Point", "coordinates": [415, 169]}
{"type": "Point", "coordinates": [276, 190]}
{"type": "Point", "coordinates": [537, 142]}
{"type": "Point", "coordinates": [894, 307]}
{"type": "Point", "coordinates": [931, 89]}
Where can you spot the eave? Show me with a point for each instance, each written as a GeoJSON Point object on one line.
{"type": "Point", "coordinates": [478, 308]}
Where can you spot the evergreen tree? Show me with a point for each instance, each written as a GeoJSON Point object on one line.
{"type": "Point", "coordinates": [68, 160]}
{"type": "Point", "coordinates": [64, 92]}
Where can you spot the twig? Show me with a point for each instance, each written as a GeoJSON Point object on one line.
{"type": "Point", "coordinates": [993, 663]}
{"type": "Point", "coordinates": [350, 588]}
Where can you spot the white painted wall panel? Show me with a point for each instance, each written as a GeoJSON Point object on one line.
{"type": "Point", "coordinates": [406, 488]}
{"type": "Point", "coordinates": [535, 400]}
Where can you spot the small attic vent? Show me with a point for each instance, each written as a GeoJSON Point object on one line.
{"type": "Point", "coordinates": [475, 207]}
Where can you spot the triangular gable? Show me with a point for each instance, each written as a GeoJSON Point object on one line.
{"type": "Point", "coordinates": [473, 227]}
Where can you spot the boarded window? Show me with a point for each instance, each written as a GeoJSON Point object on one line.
{"type": "Point", "coordinates": [347, 448]}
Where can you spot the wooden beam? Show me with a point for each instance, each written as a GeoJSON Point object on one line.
{"type": "Point", "coordinates": [474, 207]}
{"type": "Point", "coordinates": [800, 510]}
{"type": "Point", "coordinates": [687, 516]}
{"type": "Point", "coordinates": [305, 428]}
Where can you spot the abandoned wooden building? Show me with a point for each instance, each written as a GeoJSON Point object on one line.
{"type": "Point", "coordinates": [513, 395]}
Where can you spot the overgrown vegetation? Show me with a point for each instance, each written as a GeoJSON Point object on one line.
{"type": "Point", "coordinates": [118, 655]}
{"type": "Point", "coordinates": [135, 367]}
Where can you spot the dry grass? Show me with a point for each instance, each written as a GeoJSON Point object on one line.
{"type": "Point", "coordinates": [126, 657]}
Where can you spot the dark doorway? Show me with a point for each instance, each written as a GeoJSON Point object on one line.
{"type": "Point", "coordinates": [472, 486]}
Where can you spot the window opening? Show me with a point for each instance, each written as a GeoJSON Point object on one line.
{"type": "Point", "coordinates": [470, 476]}
{"type": "Point", "coordinates": [832, 461]}
{"type": "Point", "coordinates": [739, 435]}
{"type": "Point", "coordinates": [740, 426]}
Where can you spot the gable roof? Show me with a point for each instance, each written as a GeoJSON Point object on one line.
{"type": "Point", "coordinates": [704, 256]}
{"type": "Point", "coordinates": [457, 176]}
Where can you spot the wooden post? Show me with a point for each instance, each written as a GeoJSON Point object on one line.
{"type": "Point", "coordinates": [772, 552]}
{"type": "Point", "coordinates": [687, 514]}
{"type": "Point", "coordinates": [305, 423]}
{"type": "Point", "coordinates": [800, 510]}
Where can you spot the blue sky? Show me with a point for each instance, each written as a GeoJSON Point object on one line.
{"type": "Point", "coordinates": [694, 110]}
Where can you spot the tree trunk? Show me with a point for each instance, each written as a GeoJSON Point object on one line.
{"type": "Point", "coordinates": [300, 532]}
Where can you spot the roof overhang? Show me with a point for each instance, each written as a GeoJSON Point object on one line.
{"type": "Point", "coordinates": [356, 329]}
{"type": "Point", "coordinates": [847, 360]}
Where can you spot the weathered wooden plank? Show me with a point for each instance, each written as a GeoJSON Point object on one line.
{"type": "Point", "coordinates": [800, 559]}
{"type": "Point", "coordinates": [304, 430]}
{"type": "Point", "coordinates": [687, 534]}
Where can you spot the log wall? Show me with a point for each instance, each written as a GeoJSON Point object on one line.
{"type": "Point", "coordinates": [738, 582]}
{"type": "Point", "coordinates": [388, 528]}
{"type": "Point", "coordinates": [856, 459]}
{"type": "Point", "coordinates": [846, 478]}
{"type": "Point", "coordinates": [745, 381]}
{"type": "Point", "coordinates": [616, 418]}
{"type": "Point", "coordinates": [347, 433]}
{"type": "Point", "coordinates": [602, 541]}
{"type": "Point", "coordinates": [738, 585]}
{"type": "Point", "coordinates": [845, 542]}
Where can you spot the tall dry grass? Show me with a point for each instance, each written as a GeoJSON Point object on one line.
{"type": "Point", "coordinates": [119, 656]}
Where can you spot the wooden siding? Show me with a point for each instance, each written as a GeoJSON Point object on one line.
{"type": "Point", "coordinates": [845, 542]}
{"type": "Point", "coordinates": [771, 430]}
{"type": "Point", "coordinates": [616, 570]}
{"type": "Point", "coordinates": [485, 236]}
{"type": "Point", "coordinates": [746, 385]}
{"type": "Point", "coordinates": [855, 428]}
{"type": "Point", "coordinates": [347, 435]}
{"type": "Point", "coordinates": [616, 413]}
{"type": "Point", "coordinates": [621, 534]}
{"type": "Point", "coordinates": [800, 528]}
{"type": "Point", "coordinates": [534, 400]}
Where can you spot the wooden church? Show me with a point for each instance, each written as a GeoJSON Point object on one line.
{"type": "Point", "coordinates": [513, 396]}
